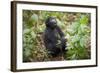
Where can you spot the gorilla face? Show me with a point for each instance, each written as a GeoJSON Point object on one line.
{"type": "Point", "coordinates": [51, 22]}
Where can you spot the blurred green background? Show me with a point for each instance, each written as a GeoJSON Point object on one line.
{"type": "Point", "coordinates": [76, 27]}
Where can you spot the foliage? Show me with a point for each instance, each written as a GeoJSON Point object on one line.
{"type": "Point", "coordinates": [79, 39]}
{"type": "Point", "coordinates": [76, 27]}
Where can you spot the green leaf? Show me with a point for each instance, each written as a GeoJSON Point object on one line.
{"type": "Point", "coordinates": [27, 52]}
{"type": "Point", "coordinates": [26, 31]}
{"type": "Point", "coordinates": [84, 20]}
{"type": "Point", "coordinates": [34, 18]}
{"type": "Point", "coordinates": [75, 38]}
{"type": "Point", "coordinates": [33, 34]}
{"type": "Point", "coordinates": [82, 42]}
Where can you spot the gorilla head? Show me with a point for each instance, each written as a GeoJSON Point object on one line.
{"type": "Point", "coordinates": [51, 22]}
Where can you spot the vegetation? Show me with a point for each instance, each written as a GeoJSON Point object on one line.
{"type": "Point", "coordinates": [76, 27]}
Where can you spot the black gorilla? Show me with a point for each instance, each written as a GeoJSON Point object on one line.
{"type": "Point", "coordinates": [54, 39]}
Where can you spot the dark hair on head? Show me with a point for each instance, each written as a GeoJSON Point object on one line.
{"type": "Point", "coordinates": [48, 21]}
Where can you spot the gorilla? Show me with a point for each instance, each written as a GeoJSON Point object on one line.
{"type": "Point", "coordinates": [54, 39]}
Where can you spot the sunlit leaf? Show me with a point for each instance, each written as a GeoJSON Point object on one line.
{"type": "Point", "coordinates": [34, 18]}
{"type": "Point", "coordinates": [33, 34]}
{"type": "Point", "coordinates": [84, 20]}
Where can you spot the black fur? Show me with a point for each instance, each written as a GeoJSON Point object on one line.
{"type": "Point", "coordinates": [54, 39]}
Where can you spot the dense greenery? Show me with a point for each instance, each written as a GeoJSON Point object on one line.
{"type": "Point", "coordinates": [76, 27]}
